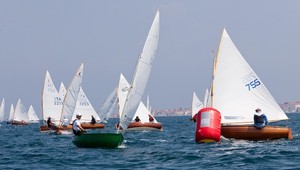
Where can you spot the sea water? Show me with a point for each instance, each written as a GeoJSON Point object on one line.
{"type": "Point", "coordinates": [25, 147]}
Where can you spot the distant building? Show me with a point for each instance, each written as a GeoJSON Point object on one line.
{"type": "Point", "coordinates": [290, 107]}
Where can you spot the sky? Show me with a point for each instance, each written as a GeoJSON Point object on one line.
{"type": "Point", "coordinates": [108, 36]}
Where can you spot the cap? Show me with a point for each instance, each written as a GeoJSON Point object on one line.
{"type": "Point", "coordinates": [78, 114]}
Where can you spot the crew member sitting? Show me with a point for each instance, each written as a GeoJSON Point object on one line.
{"type": "Point", "coordinates": [137, 119]}
{"type": "Point", "coordinates": [50, 124]}
{"type": "Point", "coordinates": [93, 121]}
{"type": "Point", "coordinates": [151, 119]}
{"type": "Point", "coordinates": [260, 119]}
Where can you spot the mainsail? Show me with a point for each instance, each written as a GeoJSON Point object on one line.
{"type": "Point", "coordinates": [141, 75]}
{"type": "Point", "coordinates": [32, 115]}
{"type": "Point", "coordinates": [237, 90]}
{"type": "Point", "coordinates": [21, 112]}
{"type": "Point", "coordinates": [107, 107]}
{"type": "Point", "coordinates": [51, 101]}
{"type": "Point", "coordinates": [2, 109]}
{"type": "Point", "coordinates": [70, 99]}
{"type": "Point", "coordinates": [84, 106]}
{"type": "Point", "coordinates": [11, 113]}
{"type": "Point", "coordinates": [196, 104]}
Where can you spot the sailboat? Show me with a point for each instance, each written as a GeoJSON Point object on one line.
{"type": "Point", "coordinates": [146, 120]}
{"type": "Point", "coordinates": [237, 91]}
{"type": "Point", "coordinates": [2, 109]}
{"type": "Point", "coordinates": [33, 118]}
{"type": "Point", "coordinates": [106, 110]}
{"type": "Point", "coordinates": [51, 102]}
{"type": "Point", "coordinates": [20, 114]}
{"type": "Point", "coordinates": [84, 106]}
{"type": "Point", "coordinates": [69, 102]}
{"type": "Point", "coordinates": [135, 93]}
{"type": "Point", "coordinates": [11, 114]}
{"type": "Point", "coordinates": [196, 106]}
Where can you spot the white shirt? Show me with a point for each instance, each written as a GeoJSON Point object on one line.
{"type": "Point", "coordinates": [75, 125]}
{"type": "Point", "coordinates": [65, 122]}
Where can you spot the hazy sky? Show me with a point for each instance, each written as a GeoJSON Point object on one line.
{"type": "Point", "coordinates": [108, 35]}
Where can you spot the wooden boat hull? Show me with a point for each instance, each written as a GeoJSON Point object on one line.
{"type": "Point", "coordinates": [69, 127]}
{"type": "Point", "coordinates": [144, 126]}
{"type": "Point", "coordinates": [19, 123]}
{"type": "Point", "coordinates": [251, 133]}
{"type": "Point", "coordinates": [98, 140]}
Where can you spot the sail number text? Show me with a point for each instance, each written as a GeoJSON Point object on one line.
{"type": "Point", "coordinates": [253, 84]}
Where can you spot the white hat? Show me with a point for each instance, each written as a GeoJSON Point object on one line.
{"type": "Point", "coordinates": [78, 114]}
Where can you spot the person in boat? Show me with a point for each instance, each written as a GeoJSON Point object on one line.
{"type": "Point", "coordinates": [77, 128]}
{"type": "Point", "coordinates": [260, 119]}
{"type": "Point", "coordinates": [65, 122]}
{"type": "Point", "coordinates": [137, 119]}
{"type": "Point", "coordinates": [50, 124]}
{"type": "Point", "coordinates": [93, 121]}
{"type": "Point", "coordinates": [194, 118]}
{"type": "Point", "coordinates": [151, 119]}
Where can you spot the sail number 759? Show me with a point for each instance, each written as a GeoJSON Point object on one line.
{"type": "Point", "coordinates": [253, 84]}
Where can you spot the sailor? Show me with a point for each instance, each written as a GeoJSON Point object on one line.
{"type": "Point", "coordinates": [260, 119]}
{"type": "Point", "coordinates": [65, 122]}
{"type": "Point", "coordinates": [137, 119]}
{"type": "Point", "coordinates": [93, 121]}
{"type": "Point", "coordinates": [151, 119]}
{"type": "Point", "coordinates": [77, 128]}
{"type": "Point", "coordinates": [49, 123]}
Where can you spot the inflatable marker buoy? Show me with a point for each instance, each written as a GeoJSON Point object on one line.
{"type": "Point", "coordinates": [208, 125]}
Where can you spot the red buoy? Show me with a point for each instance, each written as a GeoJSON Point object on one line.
{"type": "Point", "coordinates": [208, 125]}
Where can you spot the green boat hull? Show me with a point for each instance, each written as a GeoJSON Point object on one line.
{"type": "Point", "coordinates": [98, 140]}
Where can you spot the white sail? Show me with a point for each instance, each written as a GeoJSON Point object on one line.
{"type": "Point", "coordinates": [21, 112]}
{"type": "Point", "coordinates": [141, 75]}
{"type": "Point", "coordinates": [107, 107]}
{"type": "Point", "coordinates": [32, 115]}
{"type": "Point", "coordinates": [51, 101]}
{"type": "Point", "coordinates": [143, 113]}
{"type": "Point", "coordinates": [196, 105]}
{"type": "Point", "coordinates": [123, 89]}
{"type": "Point", "coordinates": [84, 106]}
{"type": "Point", "coordinates": [11, 113]}
{"type": "Point", "coordinates": [70, 99]}
{"type": "Point", "coordinates": [62, 91]}
{"type": "Point", "coordinates": [2, 109]}
{"type": "Point", "coordinates": [237, 90]}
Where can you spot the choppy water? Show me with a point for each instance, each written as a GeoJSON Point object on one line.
{"type": "Point", "coordinates": [25, 147]}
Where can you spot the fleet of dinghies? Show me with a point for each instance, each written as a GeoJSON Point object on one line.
{"type": "Point", "coordinates": [18, 115]}
{"type": "Point", "coordinates": [132, 97]}
{"type": "Point", "coordinates": [235, 92]}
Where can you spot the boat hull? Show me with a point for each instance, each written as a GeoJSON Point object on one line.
{"type": "Point", "coordinates": [251, 133]}
{"type": "Point", "coordinates": [69, 127]}
{"type": "Point", "coordinates": [98, 140]}
{"type": "Point", "coordinates": [144, 126]}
